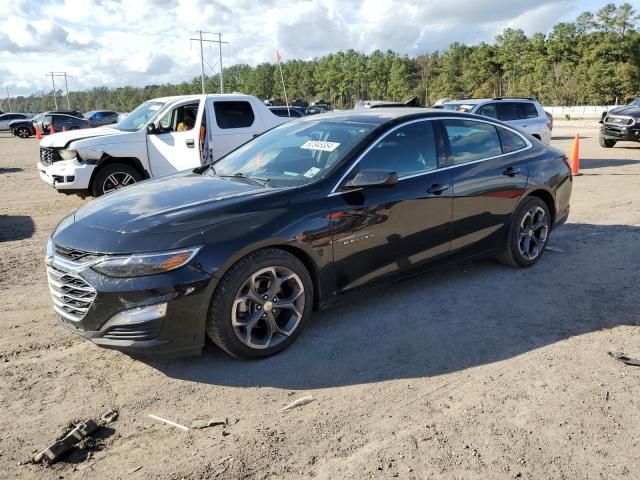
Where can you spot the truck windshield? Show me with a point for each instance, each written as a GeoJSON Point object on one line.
{"type": "Point", "coordinates": [140, 117]}
{"type": "Point", "coordinates": [295, 153]}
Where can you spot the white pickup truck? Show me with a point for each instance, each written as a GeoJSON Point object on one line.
{"type": "Point", "coordinates": [161, 136]}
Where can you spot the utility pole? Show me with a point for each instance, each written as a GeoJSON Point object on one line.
{"type": "Point", "coordinates": [66, 86]}
{"type": "Point", "coordinates": [219, 42]}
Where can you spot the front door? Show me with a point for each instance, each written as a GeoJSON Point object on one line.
{"type": "Point", "coordinates": [176, 145]}
{"type": "Point", "coordinates": [383, 232]}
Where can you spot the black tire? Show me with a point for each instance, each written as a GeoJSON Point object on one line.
{"type": "Point", "coordinates": [101, 182]}
{"type": "Point", "coordinates": [22, 132]}
{"type": "Point", "coordinates": [607, 143]}
{"type": "Point", "coordinates": [219, 319]}
{"type": "Point", "coordinates": [510, 253]}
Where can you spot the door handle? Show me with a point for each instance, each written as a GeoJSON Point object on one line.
{"type": "Point", "coordinates": [437, 189]}
{"type": "Point", "coordinates": [256, 135]}
{"type": "Point", "coordinates": [511, 172]}
{"type": "Point", "coordinates": [190, 143]}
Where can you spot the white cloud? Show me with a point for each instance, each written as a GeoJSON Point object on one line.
{"type": "Point", "coordinates": [119, 42]}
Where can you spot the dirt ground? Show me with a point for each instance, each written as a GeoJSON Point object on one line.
{"type": "Point", "coordinates": [476, 371]}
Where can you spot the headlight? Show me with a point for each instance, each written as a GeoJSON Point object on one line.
{"type": "Point", "coordinates": [137, 265]}
{"type": "Point", "coordinates": [67, 154]}
{"type": "Point", "coordinates": [49, 252]}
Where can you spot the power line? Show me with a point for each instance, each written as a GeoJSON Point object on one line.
{"type": "Point", "coordinates": [202, 61]}
{"type": "Point", "coordinates": [66, 86]}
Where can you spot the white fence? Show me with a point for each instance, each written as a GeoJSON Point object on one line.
{"type": "Point", "coordinates": [580, 110]}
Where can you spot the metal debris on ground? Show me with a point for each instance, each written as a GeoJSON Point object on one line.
{"type": "Point", "coordinates": [67, 441]}
{"type": "Point", "coordinates": [298, 403]}
{"type": "Point", "coordinates": [624, 359]}
{"type": "Point", "coordinates": [212, 422]}
{"type": "Point", "coordinates": [169, 422]}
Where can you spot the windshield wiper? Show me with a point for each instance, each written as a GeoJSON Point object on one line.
{"type": "Point", "coordinates": [263, 182]}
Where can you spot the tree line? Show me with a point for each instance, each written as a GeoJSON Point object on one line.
{"type": "Point", "coordinates": [592, 60]}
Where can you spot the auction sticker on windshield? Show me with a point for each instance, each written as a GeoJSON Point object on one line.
{"type": "Point", "coordinates": [318, 145]}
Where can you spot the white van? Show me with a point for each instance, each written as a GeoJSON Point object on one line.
{"type": "Point", "coordinates": [161, 136]}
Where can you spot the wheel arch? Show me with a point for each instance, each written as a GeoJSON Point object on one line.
{"type": "Point", "coordinates": [109, 160]}
{"type": "Point", "coordinates": [547, 198]}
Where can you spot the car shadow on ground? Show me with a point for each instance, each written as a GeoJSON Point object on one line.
{"type": "Point", "coordinates": [586, 163]}
{"type": "Point", "coordinates": [10, 170]}
{"type": "Point", "coordinates": [448, 320]}
{"type": "Point", "coordinates": [16, 227]}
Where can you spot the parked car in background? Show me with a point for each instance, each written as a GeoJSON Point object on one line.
{"type": "Point", "coordinates": [307, 213]}
{"type": "Point", "coordinates": [59, 121]}
{"type": "Point", "coordinates": [160, 137]}
{"type": "Point", "coordinates": [620, 124]}
{"type": "Point", "coordinates": [294, 112]}
{"type": "Point", "coordinates": [98, 118]}
{"type": "Point", "coordinates": [7, 118]}
{"type": "Point", "coordinates": [524, 113]}
{"type": "Point", "coordinates": [73, 113]}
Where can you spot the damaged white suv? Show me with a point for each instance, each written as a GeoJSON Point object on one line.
{"type": "Point", "coordinates": [160, 137]}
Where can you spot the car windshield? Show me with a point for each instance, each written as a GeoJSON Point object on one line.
{"type": "Point", "coordinates": [140, 117]}
{"type": "Point", "coordinates": [89, 114]}
{"type": "Point", "coordinates": [458, 107]}
{"type": "Point", "coordinates": [635, 103]}
{"type": "Point", "coordinates": [295, 153]}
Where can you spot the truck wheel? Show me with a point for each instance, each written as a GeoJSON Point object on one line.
{"type": "Point", "coordinates": [23, 132]}
{"type": "Point", "coordinates": [607, 143]}
{"type": "Point", "coordinates": [114, 177]}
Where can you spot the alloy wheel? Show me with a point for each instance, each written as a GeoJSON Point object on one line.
{"type": "Point", "coordinates": [116, 181]}
{"type": "Point", "coordinates": [268, 307]}
{"type": "Point", "coordinates": [533, 232]}
{"type": "Point", "coordinates": [23, 133]}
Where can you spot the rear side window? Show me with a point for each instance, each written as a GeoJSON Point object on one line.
{"type": "Point", "coordinates": [488, 110]}
{"type": "Point", "coordinates": [508, 111]}
{"type": "Point", "coordinates": [233, 114]}
{"type": "Point", "coordinates": [511, 141]}
{"type": "Point", "coordinates": [528, 110]}
{"type": "Point", "coordinates": [470, 140]}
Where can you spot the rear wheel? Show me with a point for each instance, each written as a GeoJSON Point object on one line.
{"type": "Point", "coordinates": [607, 143]}
{"type": "Point", "coordinates": [260, 304]}
{"type": "Point", "coordinates": [114, 177]}
{"type": "Point", "coordinates": [23, 132]}
{"type": "Point", "coordinates": [528, 234]}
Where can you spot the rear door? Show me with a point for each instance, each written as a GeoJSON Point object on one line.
{"type": "Point", "coordinates": [380, 233]}
{"type": "Point", "coordinates": [176, 145]}
{"type": "Point", "coordinates": [235, 123]}
{"type": "Point", "coordinates": [6, 119]}
{"type": "Point", "coordinates": [489, 175]}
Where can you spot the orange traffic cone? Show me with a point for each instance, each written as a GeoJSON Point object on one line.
{"type": "Point", "coordinates": [574, 156]}
{"type": "Point", "coordinates": [38, 132]}
{"type": "Point", "coordinates": [51, 129]}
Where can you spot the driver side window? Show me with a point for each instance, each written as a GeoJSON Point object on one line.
{"type": "Point", "coordinates": [180, 119]}
{"type": "Point", "coordinates": [409, 150]}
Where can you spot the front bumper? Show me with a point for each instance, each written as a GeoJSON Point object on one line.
{"type": "Point", "coordinates": [156, 314]}
{"type": "Point", "coordinates": [614, 132]}
{"type": "Point", "coordinates": [67, 174]}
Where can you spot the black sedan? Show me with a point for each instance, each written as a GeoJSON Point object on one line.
{"type": "Point", "coordinates": [48, 122]}
{"type": "Point", "coordinates": [243, 250]}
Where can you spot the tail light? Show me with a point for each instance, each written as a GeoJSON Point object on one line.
{"type": "Point", "coordinates": [549, 125]}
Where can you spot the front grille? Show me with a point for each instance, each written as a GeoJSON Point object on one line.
{"type": "Point", "coordinates": [75, 255]}
{"type": "Point", "coordinates": [622, 121]}
{"type": "Point", "coordinates": [72, 296]}
{"type": "Point", "coordinates": [48, 155]}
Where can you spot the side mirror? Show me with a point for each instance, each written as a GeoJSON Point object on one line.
{"type": "Point", "coordinates": [373, 178]}
{"type": "Point", "coordinates": [152, 129]}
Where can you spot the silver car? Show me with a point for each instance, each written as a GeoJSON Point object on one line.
{"type": "Point", "coordinates": [7, 118]}
{"type": "Point", "coordinates": [524, 113]}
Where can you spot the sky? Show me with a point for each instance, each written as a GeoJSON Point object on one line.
{"type": "Point", "coordinates": [139, 42]}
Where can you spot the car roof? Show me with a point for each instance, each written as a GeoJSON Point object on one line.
{"type": "Point", "coordinates": [477, 101]}
{"type": "Point", "coordinates": [380, 116]}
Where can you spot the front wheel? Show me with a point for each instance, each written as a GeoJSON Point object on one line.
{"type": "Point", "coordinates": [260, 304]}
{"type": "Point", "coordinates": [23, 132]}
{"type": "Point", "coordinates": [607, 143]}
{"type": "Point", "coordinates": [528, 234]}
{"type": "Point", "coordinates": [114, 177]}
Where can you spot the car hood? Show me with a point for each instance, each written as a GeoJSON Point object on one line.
{"type": "Point", "coordinates": [629, 111]}
{"type": "Point", "coordinates": [181, 202]}
{"type": "Point", "coordinates": [62, 139]}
